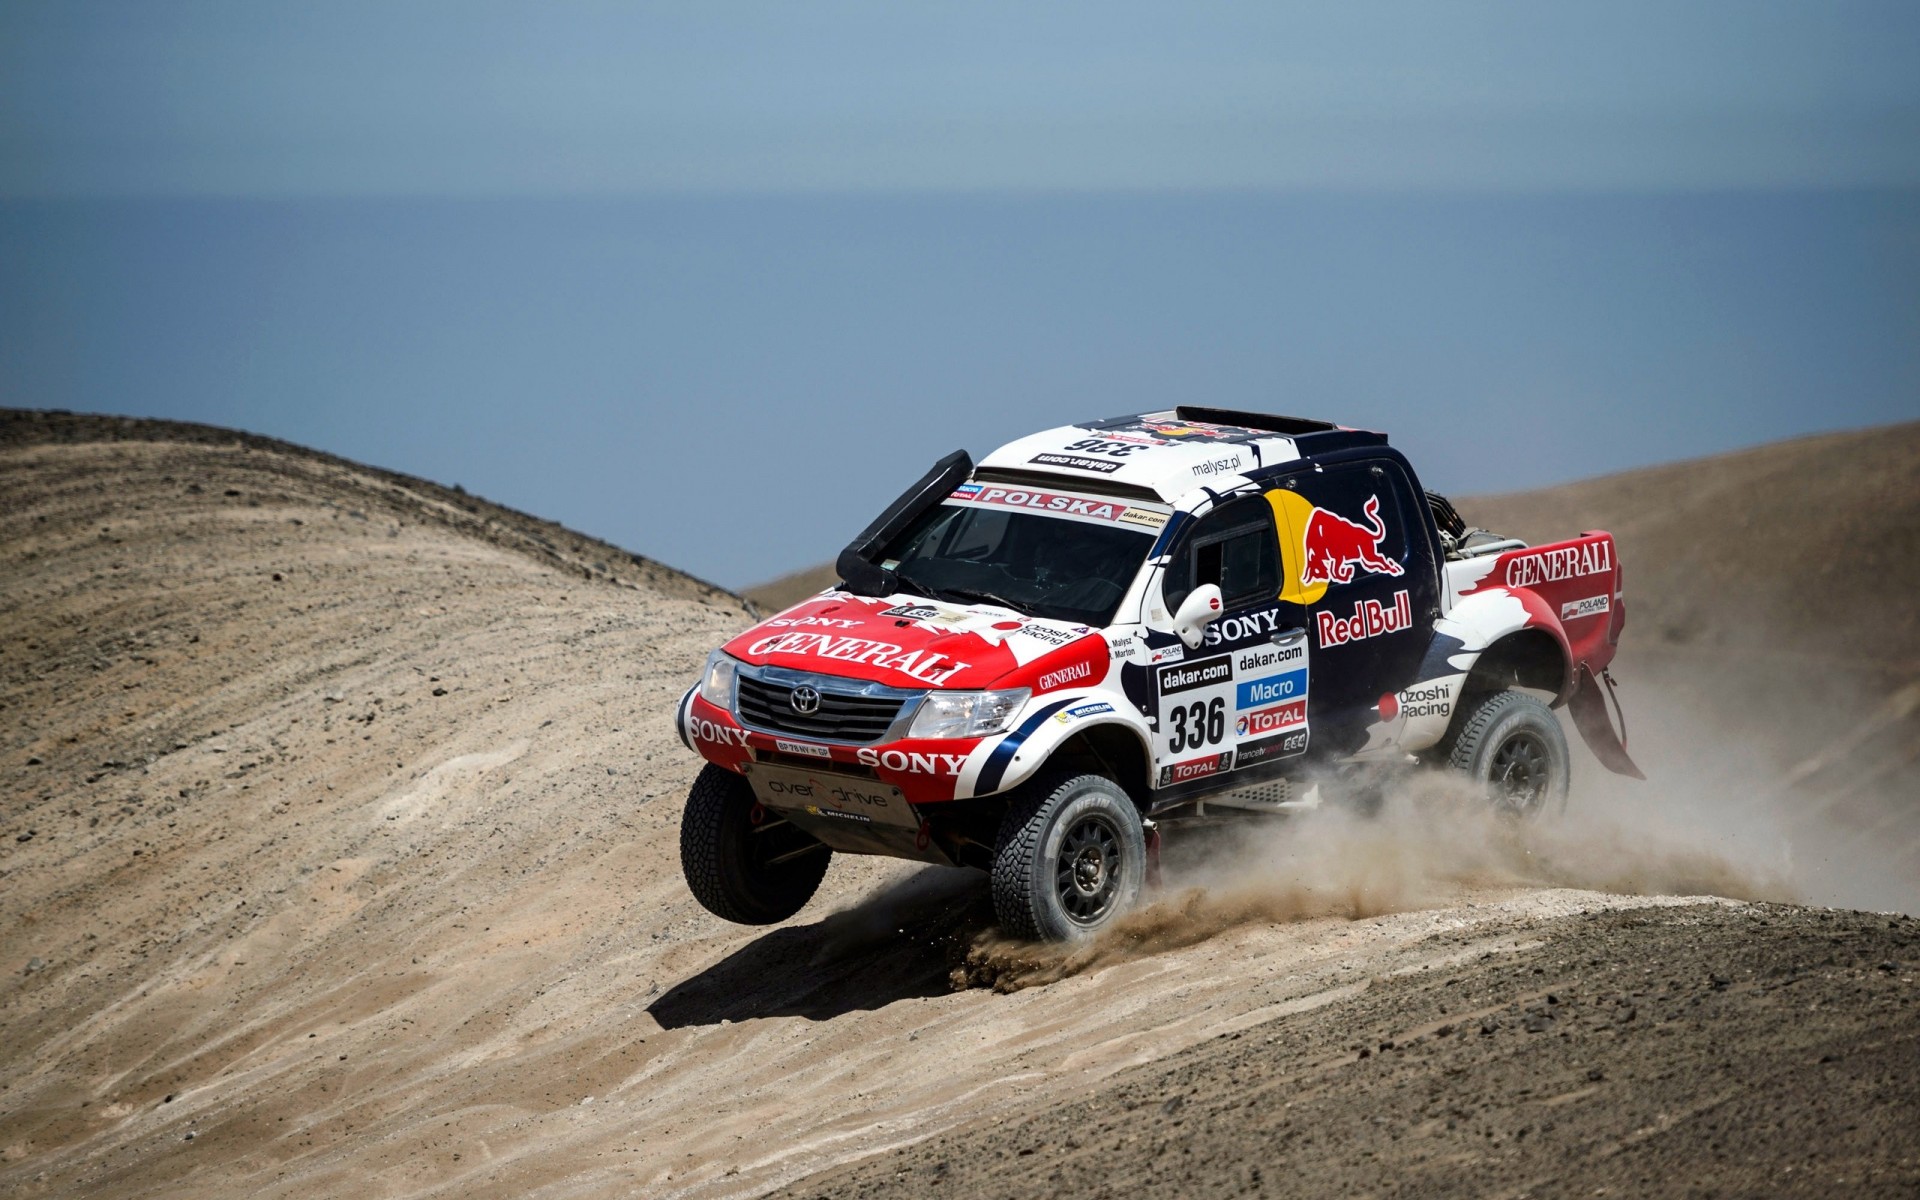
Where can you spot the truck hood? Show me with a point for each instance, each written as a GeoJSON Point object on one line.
{"type": "Point", "coordinates": [910, 642]}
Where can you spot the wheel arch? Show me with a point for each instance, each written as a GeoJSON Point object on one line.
{"type": "Point", "coordinates": [1524, 658]}
{"type": "Point", "coordinates": [1110, 748]}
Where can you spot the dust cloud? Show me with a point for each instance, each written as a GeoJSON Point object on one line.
{"type": "Point", "coordinates": [1431, 846]}
{"type": "Point", "coordinates": [1768, 778]}
{"type": "Point", "coordinates": [1701, 825]}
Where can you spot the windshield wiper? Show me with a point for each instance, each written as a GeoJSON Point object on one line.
{"type": "Point", "coordinates": [966, 593]}
{"type": "Point", "coordinates": [908, 583]}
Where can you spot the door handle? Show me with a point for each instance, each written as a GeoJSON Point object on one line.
{"type": "Point", "coordinates": [1289, 637]}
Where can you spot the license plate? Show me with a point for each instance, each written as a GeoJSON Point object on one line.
{"type": "Point", "coordinates": [824, 794]}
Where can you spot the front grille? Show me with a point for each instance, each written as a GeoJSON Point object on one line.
{"type": "Point", "coordinates": [840, 718]}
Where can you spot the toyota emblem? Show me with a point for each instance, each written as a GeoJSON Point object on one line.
{"type": "Point", "coordinates": [805, 700]}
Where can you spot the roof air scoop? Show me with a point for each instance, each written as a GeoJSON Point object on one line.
{"type": "Point", "coordinates": [859, 564]}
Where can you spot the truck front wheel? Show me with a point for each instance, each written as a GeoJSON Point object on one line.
{"type": "Point", "coordinates": [744, 863]}
{"type": "Point", "coordinates": [1511, 746]}
{"type": "Point", "coordinates": [1071, 857]}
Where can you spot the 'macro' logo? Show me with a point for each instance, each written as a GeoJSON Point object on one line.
{"type": "Point", "coordinates": [924, 665]}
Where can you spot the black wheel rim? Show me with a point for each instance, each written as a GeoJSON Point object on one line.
{"type": "Point", "coordinates": [1521, 773]}
{"type": "Point", "coordinates": [1087, 873]}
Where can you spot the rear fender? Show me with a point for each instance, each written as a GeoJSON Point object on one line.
{"type": "Point", "coordinates": [1419, 715]}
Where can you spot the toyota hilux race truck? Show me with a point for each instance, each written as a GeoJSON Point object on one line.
{"type": "Point", "coordinates": [1032, 663]}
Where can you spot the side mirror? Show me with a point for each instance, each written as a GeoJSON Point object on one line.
{"type": "Point", "coordinates": [1199, 610]}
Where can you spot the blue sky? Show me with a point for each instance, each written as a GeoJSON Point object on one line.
{"type": "Point", "coordinates": [716, 280]}
{"type": "Point", "coordinates": [461, 97]}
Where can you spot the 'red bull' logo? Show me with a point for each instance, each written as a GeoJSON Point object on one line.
{"type": "Point", "coordinates": [1333, 547]}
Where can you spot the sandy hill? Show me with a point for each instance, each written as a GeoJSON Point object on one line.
{"type": "Point", "coordinates": [340, 857]}
{"type": "Point", "coordinates": [1811, 544]}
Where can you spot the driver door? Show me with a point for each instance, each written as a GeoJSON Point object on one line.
{"type": "Point", "coordinates": [1240, 698]}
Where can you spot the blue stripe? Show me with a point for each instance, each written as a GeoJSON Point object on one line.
{"type": "Point", "coordinates": [1002, 756]}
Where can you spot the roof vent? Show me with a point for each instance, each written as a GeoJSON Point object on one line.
{"type": "Point", "coordinates": [1291, 426]}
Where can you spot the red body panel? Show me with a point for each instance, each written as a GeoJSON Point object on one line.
{"type": "Point", "coordinates": [911, 645]}
{"type": "Point", "coordinates": [1571, 589]}
{"type": "Point", "coordinates": [924, 768]}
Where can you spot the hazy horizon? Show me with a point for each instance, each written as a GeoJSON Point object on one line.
{"type": "Point", "coordinates": [715, 281]}
{"type": "Point", "coordinates": [735, 386]}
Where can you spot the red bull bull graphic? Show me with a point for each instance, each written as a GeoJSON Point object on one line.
{"type": "Point", "coordinates": [1333, 547]}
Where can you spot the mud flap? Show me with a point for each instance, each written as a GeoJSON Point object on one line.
{"type": "Point", "coordinates": [1589, 709]}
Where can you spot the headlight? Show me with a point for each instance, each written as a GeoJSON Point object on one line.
{"type": "Point", "coordinates": [967, 714]}
{"type": "Point", "coordinates": [716, 682]}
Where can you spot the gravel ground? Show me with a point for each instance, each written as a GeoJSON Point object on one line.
{"type": "Point", "coordinates": [1700, 1051]}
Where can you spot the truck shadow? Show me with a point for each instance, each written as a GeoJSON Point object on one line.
{"type": "Point", "coordinates": [900, 943]}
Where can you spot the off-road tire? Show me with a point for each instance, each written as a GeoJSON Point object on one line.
{"type": "Point", "coordinates": [725, 854]}
{"type": "Point", "coordinates": [1511, 746]}
{"type": "Point", "coordinates": [1090, 821]}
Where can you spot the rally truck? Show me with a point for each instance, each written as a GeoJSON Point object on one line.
{"type": "Point", "coordinates": [1032, 664]}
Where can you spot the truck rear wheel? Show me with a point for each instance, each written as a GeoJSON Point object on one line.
{"type": "Point", "coordinates": [1071, 857]}
{"type": "Point", "coordinates": [1512, 747]}
{"type": "Point", "coordinates": [742, 862]}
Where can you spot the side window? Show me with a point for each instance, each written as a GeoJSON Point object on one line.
{"type": "Point", "coordinates": [1234, 547]}
{"type": "Point", "coordinates": [1349, 525]}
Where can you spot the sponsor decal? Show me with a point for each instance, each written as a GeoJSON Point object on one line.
{"type": "Point", "coordinates": [1194, 768]}
{"type": "Point", "coordinates": [813, 622]}
{"type": "Point", "coordinates": [1568, 562]}
{"type": "Point", "coordinates": [1263, 658]}
{"type": "Point", "coordinates": [1333, 547]}
{"type": "Point", "coordinates": [912, 761]}
{"type": "Point", "coordinates": [1084, 507]}
{"type": "Point", "coordinates": [725, 736]}
{"type": "Point", "coordinates": [1144, 517]}
{"type": "Point", "coordinates": [1055, 637]}
{"type": "Point", "coordinates": [1168, 654]}
{"type": "Point", "coordinates": [1592, 606]}
{"type": "Point", "coordinates": [1243, 627]}
{"type": "Point", "coordinates": [1255, 692]}
{"type": "Point", "coordinates": [1203, 672]}
{"type": "Point", "coordinates": [1219, 466]}
{"type": "Point", "coordinates": [1183, 431]}
{"type": "Point", "coordinates": [1270, 720]}
{"type": "Point", "coordinates": [1370, 619]}
{"type": "Point", "coordinates": [1434, 700]}
{"type": "Point", "coordinates": [1285, 745]}
{"type": "Point", "coordinates": [1067, 716]}
{"type": "Point", "coordinates": [910, 612]}
{"type": "Point", "coordinates": [1075, 462]}
{"type": "Point", "coordinates": [1062, 677]}
{"type": "Point", "coordinates": [817, 811]}
{"type": "Point", "coordinates": [807, 748]}
{"type": "Point", "coordinates": [927, 666]}
{"type": "Point", "coordinates": [1118, 445]}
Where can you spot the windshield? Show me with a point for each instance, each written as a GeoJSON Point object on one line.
{"type": "Point", "coordinates": [1049, 567]}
